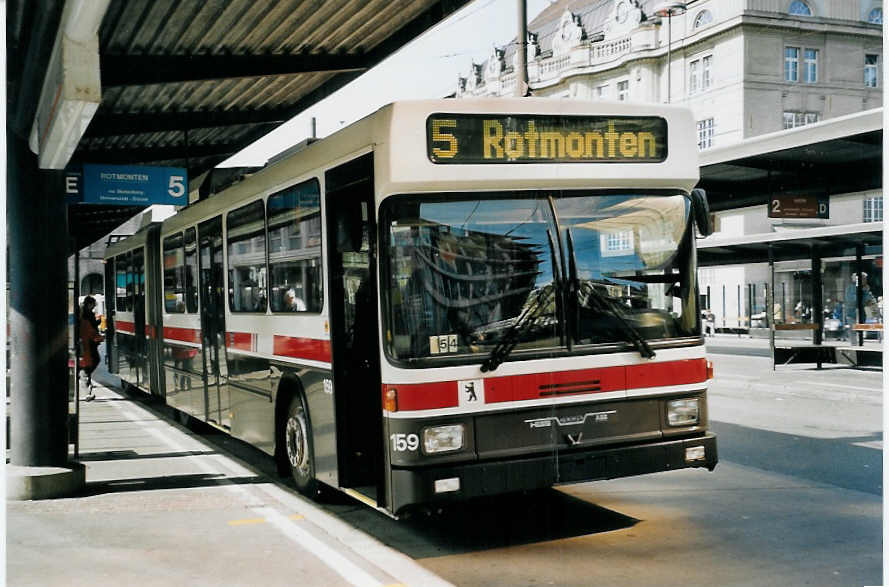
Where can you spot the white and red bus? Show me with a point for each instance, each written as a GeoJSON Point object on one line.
{"type": "Point", "coordinates": [446, 299]}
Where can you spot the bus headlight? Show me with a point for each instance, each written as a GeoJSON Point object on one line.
{"type": "Point", "coordinates": [682, 412]}
{"type": "Point", "coordinates": [443, 438]}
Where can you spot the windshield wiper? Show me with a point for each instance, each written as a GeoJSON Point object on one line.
{"type": "Point", "coordinates": [609, 307]}
{"type": "Point", "coordinates": [605, 305]}
{"type": "Point", "coordinates": [521, 325]}
{"type": "Point", "coordinates": [527, 318]}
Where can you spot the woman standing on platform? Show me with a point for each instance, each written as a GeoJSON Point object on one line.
{"type": "Point", "coordinates": [89, 342]}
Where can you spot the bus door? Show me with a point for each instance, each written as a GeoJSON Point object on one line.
{"type": "Point", "coordinates": [152, 293]}
{"type": "Point", "coordinates": [140, 355]}
{"type": "Point", "coordinates": [212, 292]}
{"type": "Point", "coordinates": [110, 304]}
{"type": "Point", "coordinates": [354, 328]}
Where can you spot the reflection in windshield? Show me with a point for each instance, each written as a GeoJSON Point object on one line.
{"type": "Point", "coordinates": [482, 276]}
{"type": "Point", "coordinates": [462, 272]}
{"type": "Point", "coordinates": [632, 271]}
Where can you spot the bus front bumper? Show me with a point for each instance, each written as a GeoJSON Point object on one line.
{"type": "Point", "coordinates": [416, 486]}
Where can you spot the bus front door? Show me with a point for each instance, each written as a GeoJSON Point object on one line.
{"type": "Point", "coordinates": [212, 294]}
{"type": "Point", "coordinates": [354, 329]}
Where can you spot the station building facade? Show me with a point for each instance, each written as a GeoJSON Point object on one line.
{"type": "Point", "coordinates": [746, 68]}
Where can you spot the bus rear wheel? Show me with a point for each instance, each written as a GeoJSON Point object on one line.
{"type": "Point", "coordinates": [298, 447]}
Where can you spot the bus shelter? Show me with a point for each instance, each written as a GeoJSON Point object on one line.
{"type": "Point", "coordinates": [826, 310]}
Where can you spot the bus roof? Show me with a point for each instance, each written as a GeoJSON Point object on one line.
{"type": "Point", "coordinates": [399, 136]}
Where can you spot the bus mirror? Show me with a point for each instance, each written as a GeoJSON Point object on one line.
{"type": "Point", "coordinates": [701, 211]}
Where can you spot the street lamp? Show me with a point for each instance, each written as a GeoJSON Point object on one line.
{"type": "Point", "coordinates": [669, 10]}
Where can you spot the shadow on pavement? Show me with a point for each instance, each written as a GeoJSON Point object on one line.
{"type": "Point", "coordinates": [488, 523]}
{"type": "Point", "coordinates": [167, 482]}
{"type": "Point", "coordinates": [125, 455]}
{"type": "Point", "coordinates": [836, 461]}
{"type": "Point", "coordinates": [728, 349]}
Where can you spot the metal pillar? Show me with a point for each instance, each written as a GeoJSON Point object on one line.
{"type": "Point", "coordinates": [78, 352]}
{"type": "Point", "coordinates": [521, 79]}
{"type": "Point", "coordinates": [817, 297]}
{"type": "Point", "coordinates": [859, 295]}
{"type": "Point", "coordinates": [37, 236]}
{"type": "Point", "coordinates": [770, 305]}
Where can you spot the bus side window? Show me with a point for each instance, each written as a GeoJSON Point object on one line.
{"type": "Point", "coordinates": [294, 227]}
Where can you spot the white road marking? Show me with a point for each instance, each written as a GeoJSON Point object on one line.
{"type": "Point", "coordinates": [327, 555]}
{"type": "Point", "coordinates": [337, 562]}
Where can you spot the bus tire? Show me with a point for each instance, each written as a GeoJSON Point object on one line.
{"type": "Point", "coordinates": [297, 444]}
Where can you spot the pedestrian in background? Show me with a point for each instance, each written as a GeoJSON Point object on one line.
{"type": "Point", "coordinates": [89, 342]}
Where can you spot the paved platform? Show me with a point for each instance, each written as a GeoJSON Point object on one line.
{"type": "Point", "coordinates": [162, 506]}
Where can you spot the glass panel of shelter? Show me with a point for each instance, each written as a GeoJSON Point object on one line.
{"type": "Point", "coordinates": [744, 306]}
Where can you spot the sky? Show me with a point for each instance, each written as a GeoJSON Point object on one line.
{"type": "Point", "coordinates": [427, 67]}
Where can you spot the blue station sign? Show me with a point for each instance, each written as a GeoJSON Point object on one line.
{"type": "Point", "coordinates": [123, 185]}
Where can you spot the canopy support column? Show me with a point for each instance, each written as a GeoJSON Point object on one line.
{"type": "Point", "coordinates": [38, 279]}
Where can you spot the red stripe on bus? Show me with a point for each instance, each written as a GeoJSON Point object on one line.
{"type": "Point", "coordinates": [424, 396]}
{"type": "Point", "coordinates": [430, 396]}
{"type": "Point", "coordinates": [669, 373]}
{"type": "Point", "coordinates": [302, 348]}
{"type": "Point", "coordinates": [241, 341]}
{"type": "Point", "coordinates": [558, 384]}
{"type": "Point", "coordinates": [125, 326]}
{"type": "Point", "coordinates": [182, 334]}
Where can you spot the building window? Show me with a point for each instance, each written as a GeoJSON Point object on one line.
{"type": "Point", "coordinates": [810, 66]}
{"type": "Point", "coordinates": [602, 92]}
{"type": "Point", "coordinates": [623, 90]}
{"type": "Point", "coordinates": [795, 119]}
{"type": "Point", "coordinates": [800, 8]}
{"type": "Point", "coordinates": [699, 77]}
{"type": "Point", "coordinates": [875, 16]}
{"type": "Point", "coordinates": [870, 70]}
{"type": "Point", "coordinates": [706, 67]}
{"type": "Point", "coordinates": [873, 209]}
{"type": "Point", "coordinates": [791, 64]}
{"type": "Point", "coordinates": [617, 244]}
{"type": "Point", "coordinates": [705, 134]}
{"type": "Point", "coordinates": [703, 18]}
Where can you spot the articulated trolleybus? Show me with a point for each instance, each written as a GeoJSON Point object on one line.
{"type": "Point", "coordinates": [447, 299]}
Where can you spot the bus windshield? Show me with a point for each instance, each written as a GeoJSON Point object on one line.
{"type": "Point", "coordinates": [547, 271]}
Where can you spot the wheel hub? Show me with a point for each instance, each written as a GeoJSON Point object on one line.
{"type": "Point", "coordinates": [296, 443]}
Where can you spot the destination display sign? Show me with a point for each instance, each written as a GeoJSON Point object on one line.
{"type": "Point", "coordinates": [531, 138]}
{"type": "Point", "coordinates": [127, 185]}
{"type": "Point", "coordinates": [783, 206]}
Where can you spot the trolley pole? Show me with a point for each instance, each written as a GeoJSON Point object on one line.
{"type": "Point", "coordinates": [521, 82]}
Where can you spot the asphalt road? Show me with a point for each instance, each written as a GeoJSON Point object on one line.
{"type": "Point", "coordinates": [795, 500]}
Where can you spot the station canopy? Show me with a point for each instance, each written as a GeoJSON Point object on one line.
{"type": "Point", "coordinates": [188, 84]}
{"type": "Point", "coordinates": [837, 156]}
{"type": "Point", "coordinates": [792, 244]}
